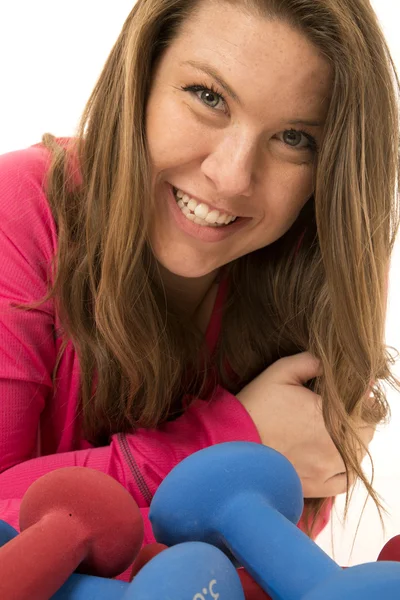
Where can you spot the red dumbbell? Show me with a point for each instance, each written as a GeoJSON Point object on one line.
{"type": "Point", "coordinates": [391, 550]}
{"type": "Point", "coordinates": [70, 519]}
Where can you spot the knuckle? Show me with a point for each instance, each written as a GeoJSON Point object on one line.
{"type": "Point", "coordinates": [339, 488]}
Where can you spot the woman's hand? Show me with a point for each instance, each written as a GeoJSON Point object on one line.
{"type": "Point", "coordinates": [289, 419]}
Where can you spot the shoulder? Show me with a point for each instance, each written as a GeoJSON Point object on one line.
{"type": "Point", "coordinates": [23, 178]}
{"type": "Point", "coordinates": [25, 215]}
{"type": "Point", "coordinates": [22, 171]}
{"type": "Point", "coordinates": [32, 161]}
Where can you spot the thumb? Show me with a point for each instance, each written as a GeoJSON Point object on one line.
{"type": "Point", "coordinates": [302, 367]}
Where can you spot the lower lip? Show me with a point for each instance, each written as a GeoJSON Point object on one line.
{"type": "Point", "coordinates": [202, 232]}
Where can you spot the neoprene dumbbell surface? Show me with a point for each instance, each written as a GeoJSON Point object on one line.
{"type": "Point", "coordinates": [246, 499]}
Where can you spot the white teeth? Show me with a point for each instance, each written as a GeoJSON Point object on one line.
{"type": "Point", "coordinates": [212, 216]}
{"type": "Point", "coordinates": [200, 213]}
{"type": "Point", "coordinates": [221, 219]}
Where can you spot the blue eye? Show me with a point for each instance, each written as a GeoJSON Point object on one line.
{"type": "Point", "coordinates": [298, 134]}
{"type": "Point", "coordinates": [209, 96]}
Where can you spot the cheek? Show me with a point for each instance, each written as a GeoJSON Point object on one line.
{"type": "Point", "coordinates": [172, 136]}
{"type": "Point", "coordinates": [289, 191]}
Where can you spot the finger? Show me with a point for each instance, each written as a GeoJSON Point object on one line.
{"type": "Point", "coordinates": [323, 464]}
{"type": "Point", "coordinates": [366, 436]}
{"type": "Point", "coordinates": [366, 430]}
{"type": "Point", "coordinates": [315, 488]}
{"type": "Point", "coordinates": [327, 471]}
{"type": "Point", "coordinates": [301, 367]}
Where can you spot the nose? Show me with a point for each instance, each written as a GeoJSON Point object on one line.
{"type": "Point", "coordinates": [231, 165]}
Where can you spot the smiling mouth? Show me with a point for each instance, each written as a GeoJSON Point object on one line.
{"type": "Point", "coordinates": [200, 213]}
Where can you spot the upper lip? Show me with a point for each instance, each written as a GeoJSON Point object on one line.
{"type": "Point", "coordinates": [212, 206]}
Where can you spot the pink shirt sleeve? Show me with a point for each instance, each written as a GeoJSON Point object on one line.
{"type": "Point", "coordinates": [27, 345]}
{"type": "Point", "coordinates": [139, 461]}
{"type": "Point", "coordinates": [142, 460]}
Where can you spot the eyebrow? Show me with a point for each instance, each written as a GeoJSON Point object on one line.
{"type": "Point", "coordinates": [306, 122]}
{"type": "Point", "coordinates": [212, 72]}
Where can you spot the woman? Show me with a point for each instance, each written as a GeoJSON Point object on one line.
{"type": "Point", "coordinates": [236, 162]}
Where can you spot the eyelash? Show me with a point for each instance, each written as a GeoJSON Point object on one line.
{"type": "Point", "coordinates": [194, 88]}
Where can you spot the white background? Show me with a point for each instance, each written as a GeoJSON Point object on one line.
{"type": "Point", "coordinates": [51, 55]}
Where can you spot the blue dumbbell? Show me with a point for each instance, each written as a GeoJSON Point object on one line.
{"type": "Point", "coordinates": [245, 499]}
{"type": "Point", "coordinates": [190, 571]}
{"type": "Point", "coordinates": [90, 587]}
{"type": "Point", "coordinates": [78, 586]}
{"type": "Point", "coordinates": [7, 533]}
{"type": "Point", "coordinates": [371, 581]}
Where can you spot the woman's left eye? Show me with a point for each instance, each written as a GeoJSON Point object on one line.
{"type": "Point", "coordinates": [294, 139]}
{"type": "Point", "coordinates": [208, 95]}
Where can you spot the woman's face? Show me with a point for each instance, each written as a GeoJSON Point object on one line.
{"type": "Point", "coordinates": [235, 113]}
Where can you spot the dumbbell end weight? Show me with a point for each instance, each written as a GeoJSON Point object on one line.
{"type": "Point", "coordinates": [215, 474]}
{"type": "Point", "coordinates": [391, 550]}
{"type": "Point", "coordinates": [245, 499]}
{"type": "Point", "coordinates": [188, 571]}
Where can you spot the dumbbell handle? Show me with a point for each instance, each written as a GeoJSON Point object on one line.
{"type": "Point", "coordinates": [79, 587]}
{"type": "Point", "coordinates": [27, 561]}
{"type": "Point", "coordinates": [278, 555]}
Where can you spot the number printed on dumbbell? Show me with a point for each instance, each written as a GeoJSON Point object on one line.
{"type": "Point", "coordinates": [213, 594]}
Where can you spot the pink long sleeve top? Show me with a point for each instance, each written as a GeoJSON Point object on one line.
{"type": "Point", "coordinates": [39, 421]}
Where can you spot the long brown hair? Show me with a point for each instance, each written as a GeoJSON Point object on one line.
{"type": "Point", "coordinates": [328, 297]}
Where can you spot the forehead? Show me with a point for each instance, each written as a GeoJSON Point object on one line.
{"type": "Point", "coordinates": [261, 58]}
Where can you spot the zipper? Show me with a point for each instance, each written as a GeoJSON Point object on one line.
{"type": "Point", "coordinates": [134, 469]}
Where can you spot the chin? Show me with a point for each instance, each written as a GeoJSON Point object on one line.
{"type": "Point", "coordinates": [186, 268]}
{"type": "Point", "coordinates": [187, 271]}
